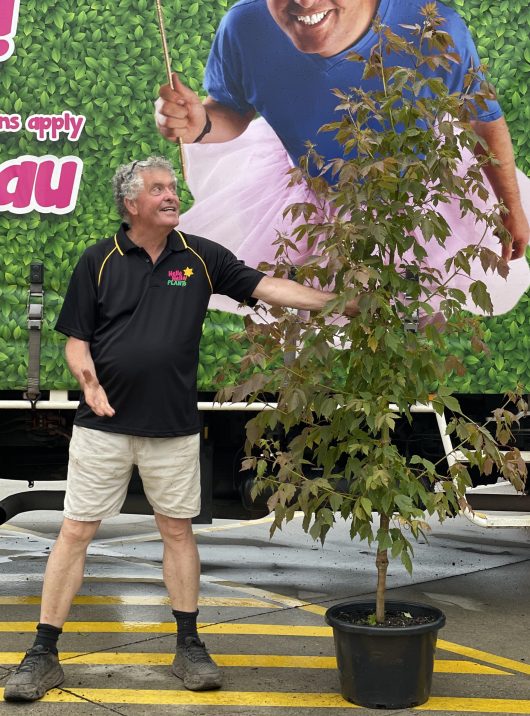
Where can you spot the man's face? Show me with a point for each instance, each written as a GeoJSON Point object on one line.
{"type": "Point", "coordinates": [157, 204]}
{"type": "Point", "coordinates": [323, 27]}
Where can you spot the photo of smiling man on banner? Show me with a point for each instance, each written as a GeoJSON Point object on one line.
{"type": "Point", "coordinates": [281, 59]}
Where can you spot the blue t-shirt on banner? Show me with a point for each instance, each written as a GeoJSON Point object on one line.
{"type": "Point", "coordinates": [253, 65]}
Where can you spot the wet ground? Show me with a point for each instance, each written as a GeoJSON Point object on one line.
{"type": "Point", "coordinates": [261, 615]}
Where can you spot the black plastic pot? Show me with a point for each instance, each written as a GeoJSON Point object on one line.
{"type": "Point", "coordinates": [385, 667]}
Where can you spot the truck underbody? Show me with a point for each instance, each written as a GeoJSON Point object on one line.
{"type": "Point", "coordinates": [34, 444]}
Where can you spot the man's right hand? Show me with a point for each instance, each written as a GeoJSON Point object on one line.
{"type": "Point", "coordinates": [95, 395]}
{"type": "Point", "coordinates": [179, 112]}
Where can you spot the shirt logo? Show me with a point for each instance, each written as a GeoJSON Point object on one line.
{"type": "Point", "coordinates": [178, 277]}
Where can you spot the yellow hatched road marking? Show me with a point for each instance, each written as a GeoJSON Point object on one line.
{"type": "Point", "coordinates": [446, 666]}
{"type": "Point", "coordinates": [169, 627]}
{"type": "Point", "coordinates": [269, 699]}
{"type": "Point", "coordinates": [483, 656]}
{"type": "Point", "coordinates": [146, 601]}
{"type": "Point", "coordinates": [238, 628]}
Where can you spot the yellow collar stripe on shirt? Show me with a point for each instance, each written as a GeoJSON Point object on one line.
{"type": "Point", "coordinates": [199, 257]}
{"type": "Point", "coordinates": [107, 257]}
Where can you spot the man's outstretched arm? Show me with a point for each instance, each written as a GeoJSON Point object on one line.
{"type": "Point", "coordinates": [284, 292]}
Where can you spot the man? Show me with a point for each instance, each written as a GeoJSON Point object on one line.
{"type": "Point", "coordinates": [282, 58]}
{"type": "Point", "coordinates": [133, 315]}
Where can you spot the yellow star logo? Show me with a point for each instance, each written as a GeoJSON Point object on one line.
{"type": "Point", "coordinates": [188, 272]}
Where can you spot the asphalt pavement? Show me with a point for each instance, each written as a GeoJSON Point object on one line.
{"type": "Point", "coordinates": [261, 616]}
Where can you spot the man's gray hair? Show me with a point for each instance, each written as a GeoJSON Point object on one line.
{"type": "Point", "coordinates": [127, 182]}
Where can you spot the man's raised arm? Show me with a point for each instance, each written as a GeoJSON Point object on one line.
{"type": "Point", "coordinates": [180, 112]}
{"type": "Point", "coordinates": [503, 179]}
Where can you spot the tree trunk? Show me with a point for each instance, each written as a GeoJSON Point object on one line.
{"type": "Point", "coordinates": [382, 567]}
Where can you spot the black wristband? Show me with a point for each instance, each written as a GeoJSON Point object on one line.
{"type": "Point", "coordinates": [206, 130]}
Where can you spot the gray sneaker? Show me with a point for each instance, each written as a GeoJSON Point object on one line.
{"type": "Point", "coordinates": [38, 672]}
{"type": "Point", "coordinates": [195, 667]}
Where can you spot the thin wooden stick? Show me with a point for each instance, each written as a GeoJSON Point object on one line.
{"type": "Point", "coordinates": [169, 76]}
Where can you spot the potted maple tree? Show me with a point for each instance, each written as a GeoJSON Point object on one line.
{"type": "Point", "coordinates": [327, 447]}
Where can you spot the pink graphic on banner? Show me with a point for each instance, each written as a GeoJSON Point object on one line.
{"type": "Point", "coordinates": [44, 184]}
{"type": "Point", "coordinates": [8, 27]}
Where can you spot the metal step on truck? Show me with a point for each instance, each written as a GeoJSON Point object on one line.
{"type": "Point", "coordinates": [78, 81]}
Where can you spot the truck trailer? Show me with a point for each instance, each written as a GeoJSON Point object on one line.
{"type": "Point", "coordinates": [78, 81]}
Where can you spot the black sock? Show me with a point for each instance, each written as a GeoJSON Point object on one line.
{"type": "Point", "coordinates": [186, 625]}
{"type": "Point", "coordinates": [47, 636]}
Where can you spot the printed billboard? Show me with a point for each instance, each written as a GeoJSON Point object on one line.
{"type": "Point", "coordinates": [78, 85]}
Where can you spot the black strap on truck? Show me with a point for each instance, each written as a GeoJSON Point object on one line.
{"type": "Point", "coordinates": [35, 317]}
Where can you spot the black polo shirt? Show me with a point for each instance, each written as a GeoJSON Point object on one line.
{"type": "Point", "coordinates": [144, 325]}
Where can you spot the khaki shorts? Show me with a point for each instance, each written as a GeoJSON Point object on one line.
{"type": "Point", "coordinates": [100, 469]}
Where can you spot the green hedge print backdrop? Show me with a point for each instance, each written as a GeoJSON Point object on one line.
{"type": "Point", "coordinates": [103, 60]}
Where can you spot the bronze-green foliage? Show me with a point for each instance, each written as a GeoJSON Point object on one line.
{"type": "Point", "coordinates": [349, 382]}
{"type": "Point", "coordinates": [104, 60]}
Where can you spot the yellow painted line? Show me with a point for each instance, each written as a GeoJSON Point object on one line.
{"type": "Point", "coordinates": [272, 661]}
{"type": "Point", "coordinates": [483, 656]}
{"type": "Point", "coordinates": [205, 698]}
{"type": "Point", "coordinates": [146, 601]}
{"type": "Point", "coordinates": [25, 530]}
{"type": "Point", "coordinates": [472, 705]}
{"type": "Point", "coordinates": [289, 602]}
{"type": "Point", "coordinates": [314, 609]}
{"type": "Point", "coordinates": [454, 666]}
{"type": "Point", "coordinates": [107, 658]}
{"type": "Point", "coordinates": [269, 699]}
{"type": "Point", "coordinates": [280, 598]}
{"type": "Point", "coordinates": [169, 627]}
{"type": "Point", "coordinates": [237, 525]}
